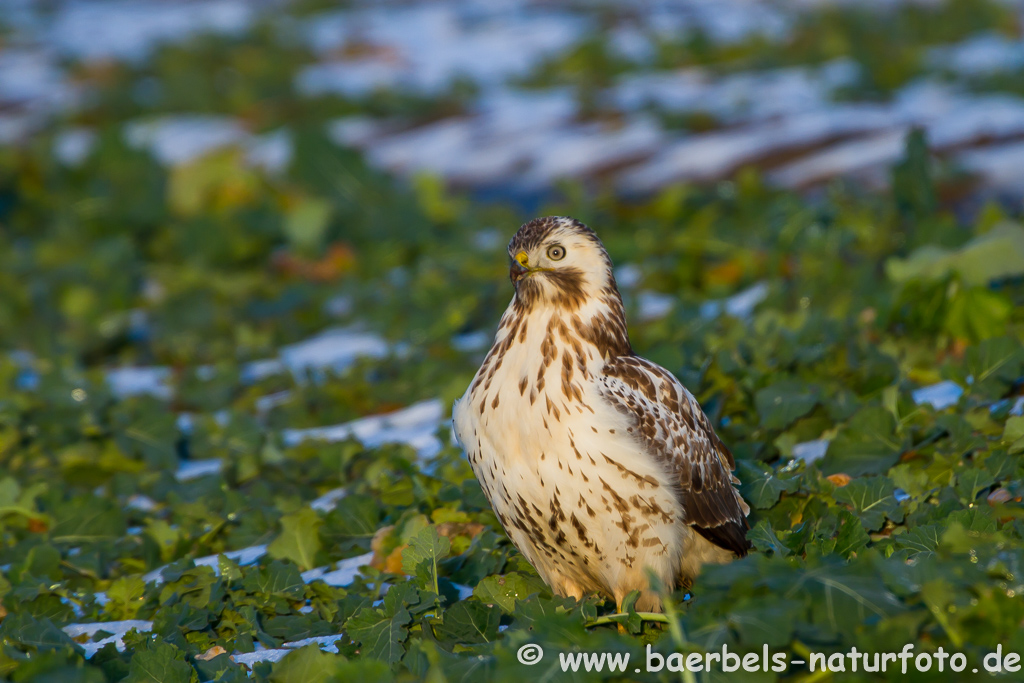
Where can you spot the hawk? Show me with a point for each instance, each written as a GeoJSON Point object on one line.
{"type": "Point", "coordinates": [598, 463]}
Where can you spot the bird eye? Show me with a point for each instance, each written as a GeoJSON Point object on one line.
{"type": "Point", "coordinates": [556, 252]}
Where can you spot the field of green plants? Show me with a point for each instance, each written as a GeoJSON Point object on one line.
{"type": "Point", "coordinates": [195, 358]}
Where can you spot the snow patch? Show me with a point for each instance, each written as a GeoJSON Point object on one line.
{"type": "Point", "coordinates": [740, 305]}
{"type": "Point", "coordinates": [196, 469]}
{"type": "Point", "coordinates": [140, 381]}
{"type": "Point", "coordinates": [939, 396]}
{"type": "Point", "coordinates": [809, 451]}
{"type": "Point", "coordinates": [117, 629]}
{"type": "Point", "coordinates": [416, 426]}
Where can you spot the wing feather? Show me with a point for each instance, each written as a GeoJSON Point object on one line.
{"type": "Point", "coordinates": [669, 423]}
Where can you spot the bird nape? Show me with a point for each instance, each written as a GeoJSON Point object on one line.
{"type": "Point", "coordinates": [600, 465]}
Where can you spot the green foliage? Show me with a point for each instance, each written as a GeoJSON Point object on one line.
{"type": "Point", "coordinates": [160, 663]}
{"type": "Point", "coordinates": [299, 540]}
{"type": "Point", "coordinates": [420, 559]}
{"type": "Point", "coordinates": [912, 185]}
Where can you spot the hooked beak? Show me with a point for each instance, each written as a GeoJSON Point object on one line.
{"type": "Point", "coordinates": [520, 267]}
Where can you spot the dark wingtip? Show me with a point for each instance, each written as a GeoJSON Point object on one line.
{"type": "Point", "coordinates": [731, 535]}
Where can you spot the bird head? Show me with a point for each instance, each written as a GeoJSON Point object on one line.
{"type": "Point", "coordinates": [559, 261]}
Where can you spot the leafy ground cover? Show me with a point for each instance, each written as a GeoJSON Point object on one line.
{"type": "Point", "coordinates": [174, 337]}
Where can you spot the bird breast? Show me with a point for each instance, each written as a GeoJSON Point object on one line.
{"type": "Point", "coordinates": [572, 488]}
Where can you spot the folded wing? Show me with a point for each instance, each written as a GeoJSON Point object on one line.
{"type": "Point", "coordinates": [670, 426]}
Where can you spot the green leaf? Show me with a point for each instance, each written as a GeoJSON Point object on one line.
{"type": "Point", "coordinates": [1013, 434]}
{"type": "Point", "coordinates": [15, 501]}
{"type": "Point", "coordinates": [634, 623]}
{"type": "Point", "coordinates": [764, 539]}
{"type": "Point", "coordinates": [354, 517]}
{"type": "Point", "coordinates": [769, 621]}
{"type": "Point", "coordinates": [293, 627]}
{"type": "Point", "coordinates": [873, 499]}
{"type": "Point", "coordinates": [921, 539]}
{"type": "Point", "coordinates": [844, 596]}
{"type": "Point", "coordinates": [469, 621]}
{"type": "Point", "coordinates": [125, 597]}
{"type": "Point", "coordinates": [503, 591]}
{"type": "Point", "coordinates": [914, 482]}
{"type": "Point", "coordinates": [995, 255]}
{"type": "Point", "coordinates": [424, 551]}
{"type": "Point", "coordinates": [977, 313]}
{"type": "Point", "coordinates": [306, 665]}
{"type": "Point", "coordinates": [912, 185]}
{"type": "Point", "coordinates": [867, 445]}
{"type": "Point", "coordinates": [277, 578]}
{"type": "Point", "coordinates": [159, 663]}
{"type": "Point", "coordinates": [381, 635]}
{"type": "Point", "coordinates": [87, 518]}
{"type": "Point", "coordinates": [993, 366]}
{"type": "Point", "coordinates": [27, 632]}
{"type": "Point", "coordinates": [761, 486]}
{"type": "Point", "coordinates": [975, 520]}
{"type": "Point", "coordinates": [306, 224]}
{"type": "Point", "coordinates": [971, 481]}
{"type": "Point", "coordinates": [850, 536]}
{"type": "Point", "coordinates": [782, 403]}
{"type": "Point", "coordinates": [299, 540]}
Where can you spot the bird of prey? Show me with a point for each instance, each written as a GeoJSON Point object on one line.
{"type": "Point", "coordinates": [598, 463]}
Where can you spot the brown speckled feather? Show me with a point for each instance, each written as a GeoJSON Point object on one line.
{"type": "Point", "coordinates": [671, 426]}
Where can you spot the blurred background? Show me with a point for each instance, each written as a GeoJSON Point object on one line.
{"type": "Point", "coordinates": [251, 251]}
{"type": "Point", "coordinates": [510, 97]}
{"type": "Point", "coordinates": [282, 126]}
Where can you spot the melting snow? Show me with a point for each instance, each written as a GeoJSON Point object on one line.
{"type": "Point", "coordinates": [243, 557]}
{"type": "Point", "coordinates": [141, 502]}
{"type": "Point", "coordinates": [654, 305]}
{"type": "Point", "coordinates": [180, 139]}
{"type": "Point", "coordinates": [270, 401]}
{"type": "Point", "coordinates": [272, 151]}
{"type": "Point", "coordinates": [326, 643]}
{"type": "Point", "coordinates": [329, 500]}
{"type": "Point", "coordinates": [809, 451]}
{"type": "Point", "coordinates": [342, 574]}
{"type": "Point", "coordinates": [334, 349]}
{"type": "Point", "coordinates": [581, 151]}
{"type": "Point", "coordinates": [117, 629]}
{"type": "Point", "coordinates": [32, 88]}
{"type": "Point", "coordinates": [739, 305]}
{"type": "Point", "coordinates": [843, 158]}
{"type": "Point", "coordinates": [939, 396]}
{"type": "Point", "coordinates": [628, 276]}
{"type": "Point", "coordinates": [1001, 165]}
{"type": "Point", "coordinates": [749, 96]}
{"type": "Point", "coordinates": [130, 30]}
{"type": "Point", "coordinates": [1017, 407]}
{"type": "Point", "coordinates": [426, 47]}
{"type": "Point", "coordinates": [472, 341]}
{"type": "Point", "coordinates": [195, 469]}
{"type": "Point", "coordinates": [980, 55]}
{"type": "Point", "coordinates": [416, 426]}
{"type": "Point", "coordinates": [138, 381]}
{"type": "Point", "coordinates": [72, 146]}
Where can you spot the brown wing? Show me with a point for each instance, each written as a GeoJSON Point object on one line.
{"type": "Point", "coordinates": [670, 425]}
